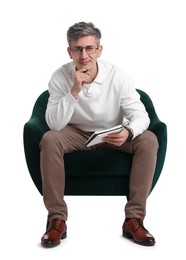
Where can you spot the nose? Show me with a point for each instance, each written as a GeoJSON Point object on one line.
{"type": "Point", "coordinates": [84, 53]}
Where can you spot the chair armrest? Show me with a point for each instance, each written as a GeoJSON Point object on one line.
{"type": "Point", "coordinates": [32, 134]}
{"type": "Point", "coordinates": [34, 130]}
{"type": "Point", "coordinates": [160, 130]}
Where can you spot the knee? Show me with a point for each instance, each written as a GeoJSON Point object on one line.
{"type": "Point", "coordinates": [49, 138]}
{"type": "Point", "coordinates": [149, 141]}
{"type": "Point", "coordinates": [152, 139]}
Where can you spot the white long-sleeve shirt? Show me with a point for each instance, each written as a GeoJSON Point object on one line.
{"type": "Point", "coordinates": [109, 100]}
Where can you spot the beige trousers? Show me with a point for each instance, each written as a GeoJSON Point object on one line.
{"type": "Point", "coordinates": [55, 144]}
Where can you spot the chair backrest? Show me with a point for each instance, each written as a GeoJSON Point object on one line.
{"type": "Point", "coordinates": [41, 103]}
{"type": "Point", "coordinates": [145, 98]}
{"type": "Point", "coordinates": [40, 108]}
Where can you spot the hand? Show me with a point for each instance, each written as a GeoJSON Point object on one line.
{"type": "Point", "coordinates": [81, 77]}
{"type": "Point", "coordinates": [116, 138]}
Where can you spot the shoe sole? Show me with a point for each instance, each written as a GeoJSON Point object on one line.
{"type": "Point", "coordinates": [64, 235]}
{"type": "Point", "coordinates": [129, 235]}
{"type": "Point", "coordinates": [50, 245]}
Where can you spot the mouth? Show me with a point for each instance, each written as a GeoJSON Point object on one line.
{"type": "Point", "coordinates": [84, 63]}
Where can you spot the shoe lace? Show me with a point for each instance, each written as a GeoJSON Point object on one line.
{"type": "Point", "coordinates": [54, 224]}
{"type": "Point", "coordinates": [139, 224]}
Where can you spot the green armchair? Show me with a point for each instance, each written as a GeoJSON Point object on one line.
{"type": "Point", "coordinates": [97, 172]}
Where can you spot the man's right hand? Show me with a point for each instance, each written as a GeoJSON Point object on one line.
{"type": "Point", "coordinates": [81, 77]}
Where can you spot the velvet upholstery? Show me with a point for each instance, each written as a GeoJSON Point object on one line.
{"type": "Point", "coordinates": [98, 172]}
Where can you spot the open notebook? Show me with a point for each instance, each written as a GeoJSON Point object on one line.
{"type": "Point", "coordinates": [97, 136]}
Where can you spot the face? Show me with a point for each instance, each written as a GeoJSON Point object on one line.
{"type": "Point", "coordinates": [83, 59]}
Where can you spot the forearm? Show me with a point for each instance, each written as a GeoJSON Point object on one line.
{"type": "Point", "coordinates": [59, 111]}
{"type": "Point", "coordinates": [135, 114]}
{"type": "Point", "coordinates": [139, 125]}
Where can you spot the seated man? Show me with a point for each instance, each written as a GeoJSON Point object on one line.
{"type": "Point", "coordinates": [86, 95]}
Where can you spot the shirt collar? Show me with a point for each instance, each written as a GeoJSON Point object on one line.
{"type": "Point", "coordinates": [103, 71]}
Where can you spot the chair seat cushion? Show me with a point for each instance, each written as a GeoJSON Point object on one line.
{"type": "Point", "coordinates": [98, 163]}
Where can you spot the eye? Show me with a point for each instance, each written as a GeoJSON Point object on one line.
{"type": "Point", "coordinates": [77, 49]}
{"type": "Point", "coordinates": [89, 48]}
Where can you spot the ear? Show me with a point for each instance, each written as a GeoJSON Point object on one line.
{"type": "Point", "coordinates": [100, 49]}
{"type": "Point", "coordinates": [69, 52]}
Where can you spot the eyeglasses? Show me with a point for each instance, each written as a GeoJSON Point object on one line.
{"type": "Point", "coordinates": [90, 49]}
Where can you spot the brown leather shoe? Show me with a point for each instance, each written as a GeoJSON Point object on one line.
{"type": "Point", "coordinates": [133, 228]}
{"type": "Point", "coordinates": [56, 231]}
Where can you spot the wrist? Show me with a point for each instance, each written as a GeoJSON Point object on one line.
{"type": "Point", "coordinates": [130, 134]}
{"type": "Point", "coordinates": [74, 94]}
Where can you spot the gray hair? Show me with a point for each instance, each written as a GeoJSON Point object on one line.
{"type": "Point", "coordinates": [82, 29]}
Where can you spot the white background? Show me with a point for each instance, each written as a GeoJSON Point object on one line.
{"type": "Point", "coordinates": [146, 38]}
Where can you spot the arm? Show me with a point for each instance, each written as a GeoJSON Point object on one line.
{"type": "Point", "coordinates": [135, 113]}
{"type": "Point", "coordinates": [63, 97]}
{"type": "Point", "coordinates": [135, 117]}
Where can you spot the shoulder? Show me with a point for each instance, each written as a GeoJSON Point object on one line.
{"type": "Point", "coordinates": [115, 69]}
{"type": "Point", "coordinates": [123, 77]}
{"type": "Point", "coordinates": [115, 77]}
{"type": "Point", "coordinates": [65, 69]}
{"type": "Point", "coordinates": [62, 77]}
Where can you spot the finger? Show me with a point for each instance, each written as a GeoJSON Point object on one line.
{"type": "Point", "coordinates": [87, 78]}
{"type": "Point", "coordinates": [84, 70]}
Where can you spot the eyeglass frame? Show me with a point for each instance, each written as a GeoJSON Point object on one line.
{"type": "Point", "coordinates": [79, 52]}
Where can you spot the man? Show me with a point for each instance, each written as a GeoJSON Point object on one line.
{"type": "Point", "coordinates": [86, 95]}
